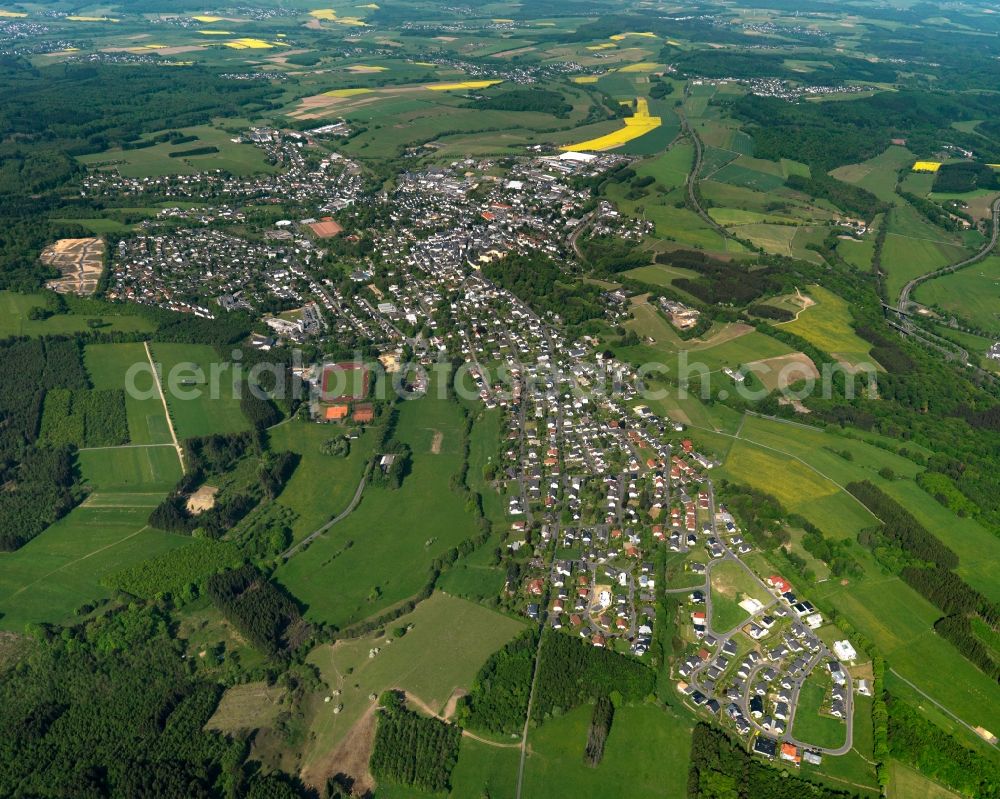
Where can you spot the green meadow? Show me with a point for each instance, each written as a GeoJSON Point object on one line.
{"type": "Point", "coordinates": [827, 325]}
{"type": "Point", "coordinates": [121, 366]}
{"type": "Point", "coordinates": [972, 293]}
{"type": "Point", "coordinates": [199, 405]}
{"type": "Point", "coordinates": [646, 754]}
{"type": "Point", "coordinates": [381, 554]}
{"type": "Point", "coordinates": [440, 655]}
{"type": "Point", "coordinates": [236, 158]}
{"type": "Point", "coordinates": [321, 485]}
{"type": "Point", "coordinates": [54, 574]}
{"type": "Point", "coordinates": [14, 319]}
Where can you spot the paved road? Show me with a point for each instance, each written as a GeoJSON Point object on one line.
{"type": "Point", "coordinates": [904, 296]}
{"type": "Point", "coordinates": [340, 517]}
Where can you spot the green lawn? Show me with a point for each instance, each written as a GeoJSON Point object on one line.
{"type": "Point", "coordinates": [646, 754]}
{"type": "Point", "coordinates": [109, 367]}
{"type": "Point", "coordinates": [199, 405]}
{"type": "Point", "coordinates": [449, 642]}
{"type": "Point", "coordinates": [14, 318]}
{"type": "Point", "coordinates": [809, 724]}
{"type": "Point", "coordinates": [972, 293]}
{"type": "Point", "coordinates": [381, 553]}
{"type": "Point", "coordinates": [659, 274]}
{"type": "Point", "coordinates": [731, 584]}
{"type": "Point", "coordinates": [322, 485]}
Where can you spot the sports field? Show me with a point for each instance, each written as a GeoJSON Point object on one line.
{"type": "Point", "coordinates": [381, 553]}
{"type": "Point", "coordinates": [647, 750]}
{"type": "Point", "coordinates": [199, 405]}
{"type": "Point", "coordinates": [972, 293]}
{"type": "Point", "coordinates": [449, 641]}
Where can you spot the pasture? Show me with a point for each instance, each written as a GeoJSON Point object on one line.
{"type": "Point", "coordinates": [799, 490]}
{"type": "Point", "coordinates": [14, 321]}
{"type": "Point", "coordinates": [972, 294]}
{"type": "Point", "coordinates": [54, 574]}
{"type": "Point", "coordinates": [878, 175]}
{"type": "Point", "coordinates": [109, 367]}
{"type": "Point", "coordinates": [381, 553]}
{"type": "Point", "coordinates": [321, 485]}
{"type": "Point", "coordinates": [647, 750]}
{"type": "Point", "coordinates": [449, 641]}
{"type": "Point", "coordinates": [237, 158]}
{"type": "Point", "coordinates": [200, 403]}
{"type": "Point", "coordinates": [905, 257]}
{"type": "Point", "coordinates": [906, 783]}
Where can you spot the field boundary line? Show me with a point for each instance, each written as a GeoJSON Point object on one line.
{"type": "Point", "coordinates": [125, 446]}
{"type": "Point", "coordinates": [166, 410]}
{"type": "Point", "coordinates": [66, 565]}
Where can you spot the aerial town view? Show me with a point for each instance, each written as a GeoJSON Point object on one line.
{"type": "Point", "coordinates": [504, 400]}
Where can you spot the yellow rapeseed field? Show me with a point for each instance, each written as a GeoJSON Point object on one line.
{"type": "Point", "coordinates": [12, 14]}
{"type": "Point", "coordinates": [250, 44]}
{"type": "Point", "coordinates": [641, 66]}
{"type": "Point", "coordinates": [215, 33]}
{"type": "Point", "coordinates": [584, 79]}
{"type": "Point", "coordinates": [205, 18]}
{"type": "Point", "coordinates": [347, 92]}
{"type": "Point", "coordinates": [619, 36]}
{"type": "Point", "coordinates": [464, 84]}
{"type": "Point", "coordinates": [323, 13]}
{"type": "Point", "coordinates": [639, 124]}
{"type": "Point", "coordinates": [926, 166]}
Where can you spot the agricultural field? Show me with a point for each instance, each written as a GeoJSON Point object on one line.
{"type": "Point", "coordinates": [52, 575]}
{"type": "Point", "coordinates": [381, 553]}
{"type": "Point", "coordinates": [435, 660]}
{"type": "Point", "coordinates": [879, 174]}
{"type": "Point", "coordinates": [972, 294]}
{"type": "Point", "coordinates": [321, 485]}
{"type": "Point", "coordinates": [108, 366]}
{"type": "Point", "coordinates": [14, 321]}
{"type": "Point", "coordinates": [647, 749]}
{"type": "Point", "coordinates": [731, 583]}
{"type": "Point", "coordinates": [827, 325]}
{"type": "Point", "coordinates": [200, 403]}
{"type": "Point", "coordinates": [130, 468]}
